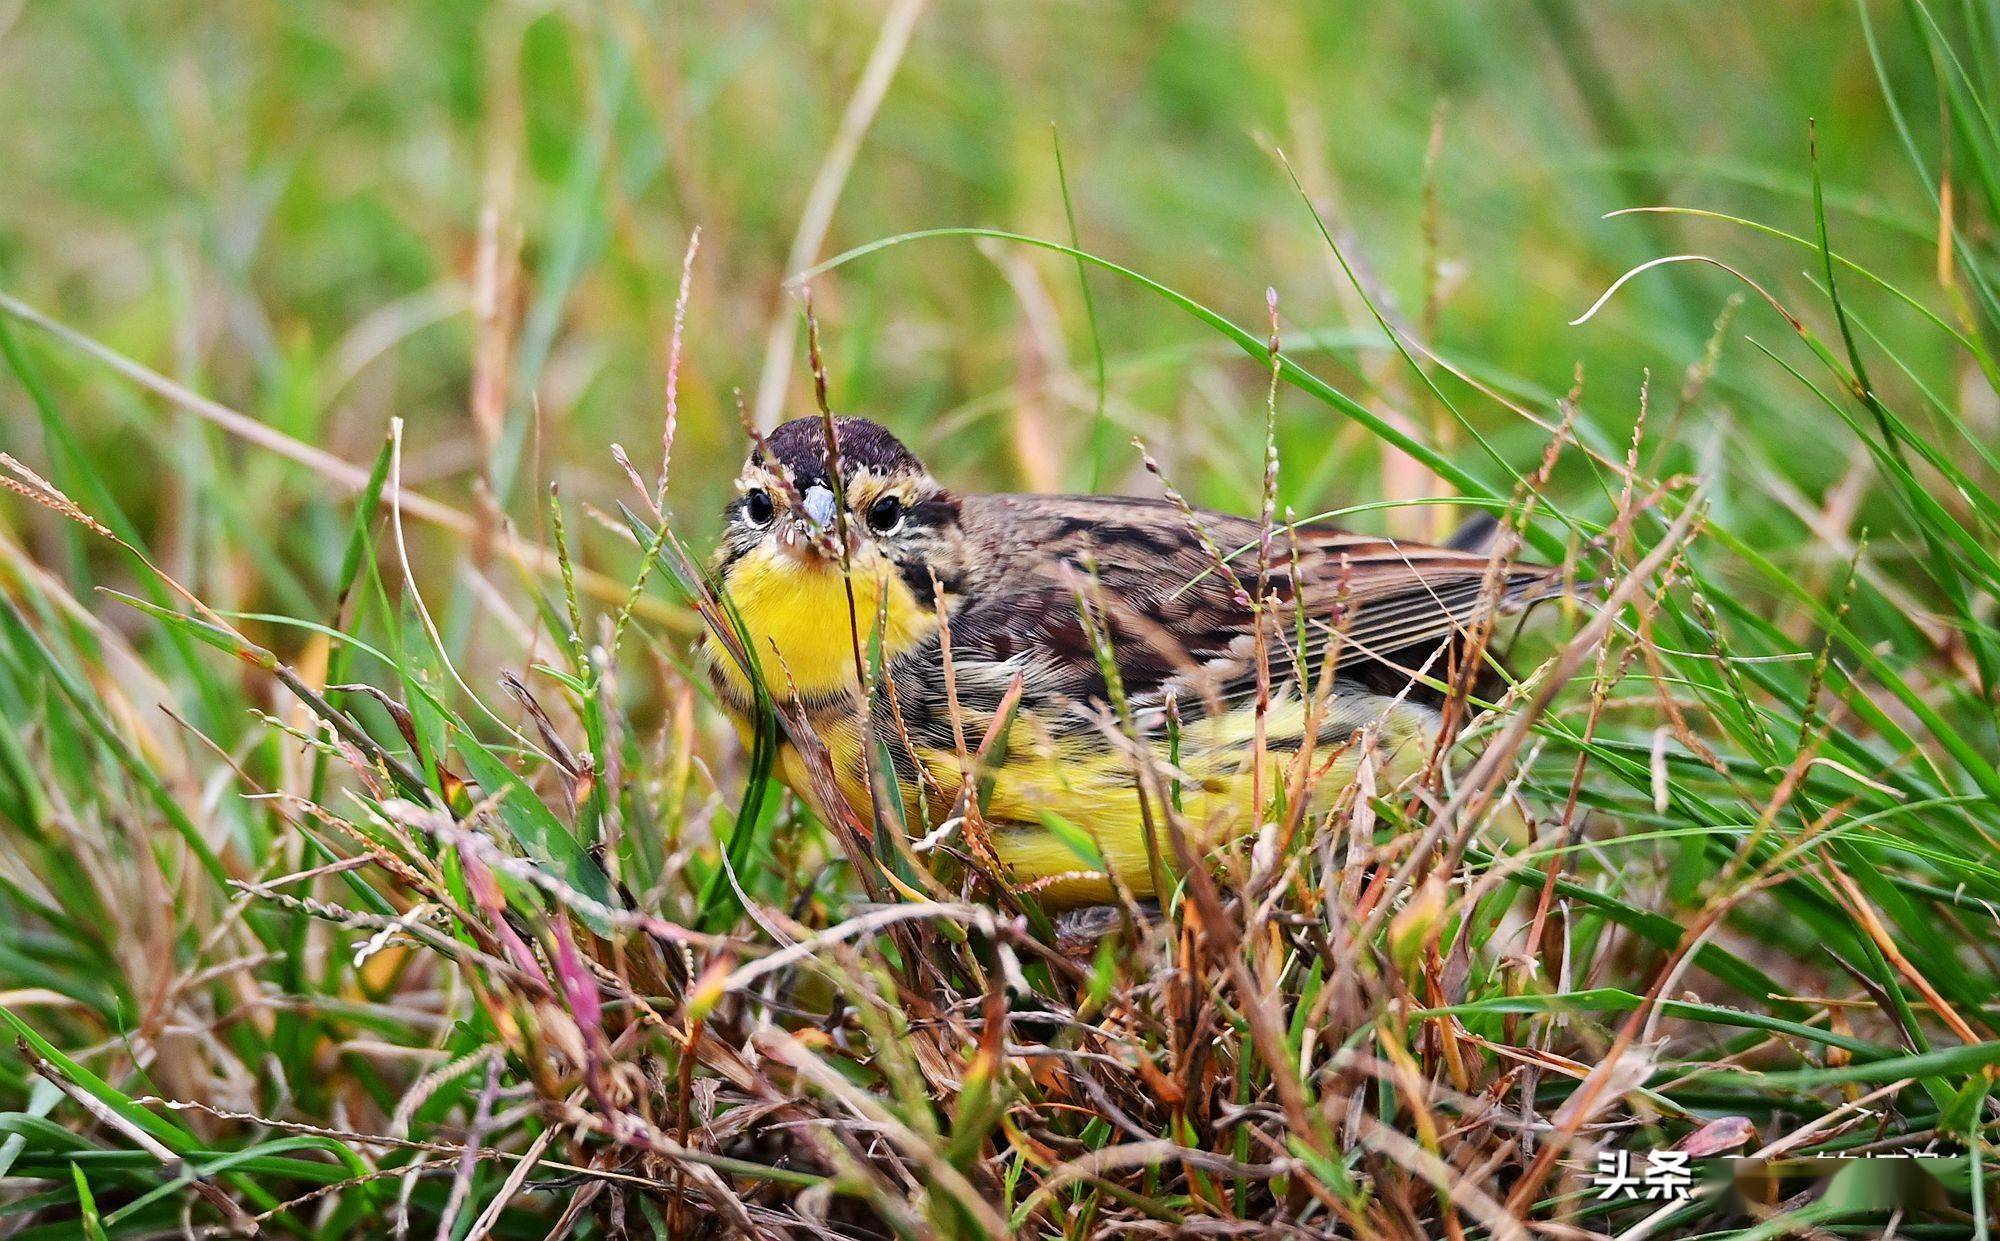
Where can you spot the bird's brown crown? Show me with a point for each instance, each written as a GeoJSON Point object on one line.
{"type": "Point", "coordinates": [799, 450]}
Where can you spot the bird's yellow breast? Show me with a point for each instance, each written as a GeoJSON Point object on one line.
{"type": "Point", "coordinates": [804, 636]}
{"type": "Point", "coordinates": [802, 632]}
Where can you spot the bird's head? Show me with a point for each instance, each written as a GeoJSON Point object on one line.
{"type": "Point", "coordinates": [878, 511]}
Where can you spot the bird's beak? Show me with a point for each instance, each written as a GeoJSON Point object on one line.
{"type": "Point", "coordinates": [813, 534]}
{"type": "Point", "coordinates": [819, 505]}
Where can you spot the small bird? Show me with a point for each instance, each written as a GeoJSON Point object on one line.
{"type": "Point", "coordinates": [1113, 624]}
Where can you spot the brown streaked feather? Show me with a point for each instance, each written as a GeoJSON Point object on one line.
{"type": "Point", "coordinates": [1178, 623]}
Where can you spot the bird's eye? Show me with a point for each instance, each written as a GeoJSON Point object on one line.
{"type": "Point", "coordinates": [757, 507]}
{"type": "Point", "coordinates": [885, 514]}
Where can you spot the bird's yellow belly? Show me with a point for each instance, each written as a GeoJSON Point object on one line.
{"type": "Point", "coordinates": [1095, 792]}
{"type": "Point", "coordinates": [1216, 784]}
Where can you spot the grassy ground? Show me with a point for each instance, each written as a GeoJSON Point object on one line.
{"type": "Point", "coordinates": [364, 823]}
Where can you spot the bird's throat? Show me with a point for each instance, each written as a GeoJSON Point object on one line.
{"type": "Point", "coordinates": [803, 629]}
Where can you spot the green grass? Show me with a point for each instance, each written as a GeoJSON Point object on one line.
{"type": "Point", "coordinates": [374, 858]}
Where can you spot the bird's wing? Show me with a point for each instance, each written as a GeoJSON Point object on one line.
{"type": "Point", "coordinates": [1171, 600]}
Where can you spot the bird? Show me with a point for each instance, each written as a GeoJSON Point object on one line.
{"type": "Point", "coordinates": [1079, 642]}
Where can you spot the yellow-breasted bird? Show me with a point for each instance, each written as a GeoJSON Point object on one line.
{"type": "Point", "coordinates": [1117, 617]}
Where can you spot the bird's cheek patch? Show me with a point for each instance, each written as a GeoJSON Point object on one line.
{"type": "Point", "coordinates": [934, 511]}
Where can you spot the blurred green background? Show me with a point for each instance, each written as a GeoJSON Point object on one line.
{"type": "Point", "coordinates": [280, 205]}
